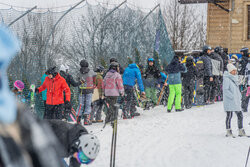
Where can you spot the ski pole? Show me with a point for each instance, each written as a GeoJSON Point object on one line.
{"type": "Point", "coordinates": [247, 156]}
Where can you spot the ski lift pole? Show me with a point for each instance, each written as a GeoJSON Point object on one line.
{"type": "Point", "coordinates": [106, 16]}
{"type": "Point", "coordinates": [28, 11]}
{"type": "Point", "coordinates": [247, 156]}
{"type": "Point", "coordinates": [53, 29]}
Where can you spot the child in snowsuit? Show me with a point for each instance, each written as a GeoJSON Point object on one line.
{"type": "Point", "coordinates": [77, 144]}
{"type": "Point", "coordinates": [188, 81]}
{"type": "Point", "coordinates": [113, 88]}
{"type": "Point", "coordinates": [98, 97]}
{"type": "Point", "coordinates": [18, 91]}
{"type": "Point", "coordinates": [232, 99]}
{"type": "Point", "coordinates": [85, 92]}
{"type": "Point", "coordinates": [152, 78]}
{"type": "Point", "coordinates": [174, 70]}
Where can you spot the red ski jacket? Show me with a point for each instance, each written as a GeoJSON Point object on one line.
{"type": "Point", "coordinates": [55, 88]}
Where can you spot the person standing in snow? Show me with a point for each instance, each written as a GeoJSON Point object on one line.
{"type": "Point", "coordinates": [225, 58]}
{"type": "Point", "coordinates": [232, 99]}
{"type": "Point", "coordinates": [85, 92]}
{"type": "Point", "coordinates": [78, 145]}
{"type": "Point", "coordinates": [18, 91]}
{"type": "Point", "coordinates": [152, 77]}
{"type": "Point", "coordinates": [98, 97]}
{"type": "Point", "coordinates": [113, 88]}
{"type": "Point", "coordinates": [208, 76]}
{"type": "Point", "coordinates": [131, 75]}
{"type": "Point", "coordinates": [56, 86]}
{"type": "Point", "coordinates": [70, 81]}
{"type": "Point", "coordinates": [174, 70]}
{"type": "Point", "coordinates": [188, 81]}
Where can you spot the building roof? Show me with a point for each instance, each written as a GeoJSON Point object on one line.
{"type": "Point", "coordinates": [202, 1]}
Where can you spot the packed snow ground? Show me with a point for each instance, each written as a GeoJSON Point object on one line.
{"type": "Point", "coordinates": [192, 138]}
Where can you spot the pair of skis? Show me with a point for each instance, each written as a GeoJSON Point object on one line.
{"type": "Point", "coordinates": [114, 137]}
{"type": "Point", "coordinates": [162, 91]}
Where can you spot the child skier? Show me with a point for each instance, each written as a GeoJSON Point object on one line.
{"type": "Point", "coordinates": [188, 79]}
{"type": "Point", "coordinates": [18, 91]}
{"type": "Point", "coordinates": [232, 99]}
{"type": "Point", "coordinates": [174, 70]}
{"type": "Point", "coordinates": [113, 88]}
{"type": "Point", "coordinates": [98, 97]}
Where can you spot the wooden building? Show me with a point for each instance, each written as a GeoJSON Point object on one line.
{"type": "Point", "coordinates": [228, 23]}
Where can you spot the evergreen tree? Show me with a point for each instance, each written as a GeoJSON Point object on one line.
{"type": "Point", "coordinates": [156, 58]}
{"type": "Point", "coordinates": [137, 56]}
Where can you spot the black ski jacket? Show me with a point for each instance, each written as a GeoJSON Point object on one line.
{"type": "Point", "coordinates": [69, 79]}
{"type": "Point", "coordinates": [243, 63]}
{"type": "Point", "coordinates": [190, 75]}
{"type": "Point", "coordinates": [207, 65]}
{"type": "Point", "coordinates": [217, 57]}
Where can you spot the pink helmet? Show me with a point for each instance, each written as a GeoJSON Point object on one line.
{"type": "Point", "coordinates": [19, 84]}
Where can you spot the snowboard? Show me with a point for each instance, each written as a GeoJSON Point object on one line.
{"type": "Point", "coordinates": [199, 85]}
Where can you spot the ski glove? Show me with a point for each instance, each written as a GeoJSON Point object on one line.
{"type": "Point", "coordinates": [67, 105]}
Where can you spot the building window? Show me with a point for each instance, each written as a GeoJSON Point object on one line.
{"type": "Point", "coordinates": [248, 22]}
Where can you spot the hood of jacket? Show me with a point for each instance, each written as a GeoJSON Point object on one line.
{"type": "Point", "coordinates": [132, 65]}
{"type": "Point", "coordinates": [84, 70]}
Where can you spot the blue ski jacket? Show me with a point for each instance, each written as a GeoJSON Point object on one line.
{"type": "Point", "coordinates": [131, 74]}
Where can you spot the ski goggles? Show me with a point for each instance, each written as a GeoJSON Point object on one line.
{"type": "Point", "coordinates": [83, 159]}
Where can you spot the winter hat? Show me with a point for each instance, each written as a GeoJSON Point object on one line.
{"type": "Point", "coordinates": [19, 84]}
{"type": "Point", "coordinates": [114, 65]}
{"type": "Point", "coordinates": [51, 70]}
{"type": "Point", "coordinates": [84, 63]}
{"type": "Point", "coordinates": [113, 60]}
{"type": "Point", "coordinates": [231, 67]}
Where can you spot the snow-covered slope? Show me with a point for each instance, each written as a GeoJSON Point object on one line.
{"type": "Point", "coordinates": [193, 138]}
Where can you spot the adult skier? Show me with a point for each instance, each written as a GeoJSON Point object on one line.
{"type": "Point", "coordinates": [56, 86]}
{"type": "Point", "coordinates": [208, 76]}
{"type": "Point", "coordinates": [225, 57]}
{"type": "Point", "coordinates": [174, 70]}
{"type": "Point", "coordinates": [131, 76]}
{"type": "Point", "coordinates": [20, 133]}
{"type": "Point", "coordinates": [188, 82]}
{"type": "Point", "coordinates": [85, 92]}
{"type": "Point", "coordinates": [152, 78]}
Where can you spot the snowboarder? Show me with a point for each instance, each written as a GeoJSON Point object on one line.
{"type": "Point", "coordinates": [152, 78]}
{"type": "Point", "coordinates": [86, 90]}
{"type": "Point", "coordinates": [188, 81]}
{"type": "Point", "coordinates": [98, 97]}
{"type": "Point", "coordinates": [174, 70]}
{"type": "Point", "coordinates": [231, 99]}
{"type": "Point", "coordinates": [55, 85]}
{"type": "Point", "coordinates": [131, 75]}
{"type": "Point", "coordinates": [113, 88]}
{"type": "Point", "coordinates": [78, 145]}
{"type": "Point", "coordinates": [208, 76]}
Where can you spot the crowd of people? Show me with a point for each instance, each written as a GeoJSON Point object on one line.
{"type": "Point", "coordinates": [139, 86]}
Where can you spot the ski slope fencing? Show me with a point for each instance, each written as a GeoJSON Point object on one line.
{"type": "Point", "coordinates": [73, 39]}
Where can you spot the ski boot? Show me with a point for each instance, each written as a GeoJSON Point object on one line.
{"type": "Point", "coordinates": [229, 133]}
{"type": "Point", "coordinates": [87, 120]}
{"type": "Point", "coordinates": [125, 115]}
{"type": "Point", "coordinates": [169, 110]}
{"type": "Point", "coordinates": [179, 110]}
{"type": "Point", "coordinates": [242, 133]}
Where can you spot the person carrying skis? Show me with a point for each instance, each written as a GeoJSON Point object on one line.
{"type": "Point", "coordinates": [113, 88]}
{"type": "Point", "coordinates": [174, 70]}
{"type": "Point", "coordinates": [243, 73]}
{"type": "Point", "coordinates": [152, 77]}
{"type": "Point", "coordinates": [20, 133]}
{"type": "Point", "coordinates": [77, 144]}
{"type": "Point", "coordinates": [56, 86]}
{"type": "Point", "coordinates": [232, 99]}
{"type": "Point", "coordinates": [188, 81]}
{"type": "Point", "coordinates": [208, 76]}
{"type": "Point", "coordinates": [131, 75]}
{"type": "Point", "coordinates": [98, 97]}
{"type": "Point", "coordinates": [18, 91]}
{"type": "Point", "coordinates": [85, 92]}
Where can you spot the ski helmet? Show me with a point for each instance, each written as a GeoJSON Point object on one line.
{"type": "Point", "coordinates": [19, 84]}
{"type": "Point", "coordinates": [113, 60]}
{"type": "Point", "coordinates": [217, 49]}
{"type": "Point", "coordinates": [151, 59]}
{"type": "Point", "coordinates": [244, 51]}
{"type": "Point", "coordinates": [84, 63]}
{"type": "Point", "coordinates": [89, 147]}
{"type": "Point", "coordinates": [100, 69]}
{"type": "Point", "coordinates": [206, 48]}
{"type": "Point", "coordinates": [114, 65]}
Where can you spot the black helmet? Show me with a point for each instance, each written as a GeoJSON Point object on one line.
{"type": "Point", "coordinates": [206, 48]}
{"type": "Point", "coordinates": [244, 50]}
{"type": "Point", "coordinates": [84, 63]}
{"type": "Point", "coordinates": [217, 49]}
{"type": "Point", "coordinates": [100, 69]}
{"type": "Point", "coordinates": [114, 66]}
{"type": "Point", "coordinates": [52, 71]}
{"type": "Point", "coordinates": [113, 60]}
